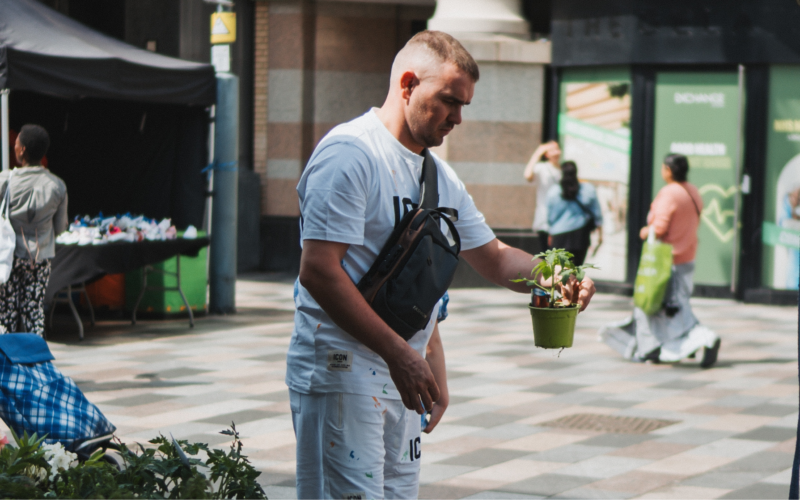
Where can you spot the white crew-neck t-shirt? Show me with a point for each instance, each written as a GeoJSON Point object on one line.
{"type": "Point", "coordinates": [358, 184]}
{"type": "Point", "coordinates": [546, 176]}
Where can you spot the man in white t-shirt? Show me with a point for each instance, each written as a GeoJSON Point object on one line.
{"type": "Point", "coordinates": [356, 387]}
{"type": "Point", "coordinates": [543, 169]}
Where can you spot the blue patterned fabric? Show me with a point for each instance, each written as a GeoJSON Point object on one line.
{"type": "Point", "coordinates": [39, 398]}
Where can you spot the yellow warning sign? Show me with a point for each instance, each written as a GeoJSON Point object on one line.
{"type": "Point", "coordinates": [223, 27]}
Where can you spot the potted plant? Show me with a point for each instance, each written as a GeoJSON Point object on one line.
{"type": "Point", "coordinates": [552, 313]}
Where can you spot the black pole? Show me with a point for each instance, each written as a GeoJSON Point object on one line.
{"type": "Point", "coordinates": [794, 486]}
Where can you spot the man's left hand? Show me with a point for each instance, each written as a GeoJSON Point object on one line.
{"type": "Point", "coordinates": [579, 292]}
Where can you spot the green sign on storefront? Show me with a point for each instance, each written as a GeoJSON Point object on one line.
{"type": "Point", "coordinates": [697, 114]}
{"type": "Point", "coordinates": [781, 227]}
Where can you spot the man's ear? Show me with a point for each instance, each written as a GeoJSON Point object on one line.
{"type": "Point", "coordinates": [408, 81]}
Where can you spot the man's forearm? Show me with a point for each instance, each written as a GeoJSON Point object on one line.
{"type": "Point", "coordinates": [335, 292]}
{"type": "Point", "coordinates": [500, 263]}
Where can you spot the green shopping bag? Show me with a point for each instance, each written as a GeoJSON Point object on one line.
{"type": "Point", "coordinates": [655, 269]}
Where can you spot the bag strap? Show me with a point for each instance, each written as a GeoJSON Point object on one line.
{"type": "Point", "coordinates": [583, 207]}
{"type": "Point", "coordinates": [429, 183]}
{"type": "Point", "coordinates": [429, 188]}
{"type": "Point", "coordinates": [696, 208]}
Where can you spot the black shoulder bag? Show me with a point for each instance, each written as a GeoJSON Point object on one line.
{"type": "Point", "coordinates": [416, 265]}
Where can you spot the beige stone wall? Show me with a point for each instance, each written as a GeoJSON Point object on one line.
{"type": "Point", "coordinates": [319, 64]}
{"type": "Point", "coordinates": [325, 63]}
{"type": "Point", "coordinates": [500, 130]}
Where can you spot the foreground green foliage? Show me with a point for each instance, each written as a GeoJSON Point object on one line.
{"type": "Point", "coordinates": [170, 469]}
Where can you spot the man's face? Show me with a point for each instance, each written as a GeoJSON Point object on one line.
{"type": "Point", "coordinates": [434, 107]}
{"type": "Point", "coordinates": [19, 151]}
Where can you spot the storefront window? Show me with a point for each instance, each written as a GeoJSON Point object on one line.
{"type": "Point", "coordinates": [781, 227]}
{"type": "Point", "coordinates": [594, 132]}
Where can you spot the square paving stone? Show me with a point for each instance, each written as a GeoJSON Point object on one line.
{"type": "Point", "coordinates": [548, 484]}
{"type": "Point", "coordinates": [590, 493]}
{"type": "Point", "coordinates": [724, 480]}
{"type": "Point", "coordinates": [695, 436]}
{"type": "Point", "coordinates": [768, 433]}
{"type": "Point", "coordinates": [770, 410]}
{"type": "Point", "coordinates": [510, 353]}
{"type": "Point", "coordinates": [555, 388]}
{"type": "Point", "coordinates": [788, 381]}
{"type": "Point", "coordinates": [617, 440]}
{"type": "Point", "coordinates": [275, 397]}
{"type": "Point", "coordinates": [760, 490]}
{"type": "Point", "coordinates": [570, 453]}
{"type": "Point", "coordinates": [487, 420]}
{"type": "Point", "coordinates": [681, 384]}
{"type": "Point", "coordinates": [501, 495]}
{"type": "Point", "coordinates": [240, 417]}
{"type": "Point", "coordinates": [614, 403]}
{"type": "Point", "coordinates": [508, 431]}
{"type": "Point", "coordinates": [175, 373]}
{"type": "Point", "coordinates": [280, 492]}
{"type": "Point", "coordinates": [603, 467]}
{"type": "Point", "coordinates": [141, 399]}
{"type": "Point", "coordinates": [454, 400]}
{"type": "Point", "coordinates": [770, 462]}
{"type": "Point", "coordinates": [551, 365]}
{"type": "Point", "coordinates": [484, 457]}
{"type": "Point", "coordinates": [445, 491]}
{"type": "Point", "coordinates": [739, 401]}
{"type": "Point", "coordinates": [279, 356]}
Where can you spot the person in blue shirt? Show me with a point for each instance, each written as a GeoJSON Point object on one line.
{"type": "Point", "coordinates": [573, 213]}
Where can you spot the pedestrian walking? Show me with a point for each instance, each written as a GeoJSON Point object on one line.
{"type": "Point", "coordinates": [672, 333]}
{"type": "Point", "coordinates": [38, 210]}
{"type": "Point", "coordinates": [543, 169]}
{"type": "Point", "coordinates": [356, 387]}
{"type": "Point", "coordinates": [573, 214]}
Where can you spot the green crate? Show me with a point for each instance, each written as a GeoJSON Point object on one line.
{"type": "Point", "coordinates": [193, 283]}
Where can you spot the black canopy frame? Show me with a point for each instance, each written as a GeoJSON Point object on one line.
{"type": "Point", "coordinates": [128, 127]}
{"type": "Point", "coordinates": [44, 51]}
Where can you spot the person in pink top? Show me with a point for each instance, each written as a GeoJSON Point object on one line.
{"type": "Point", "coordinates": [675, 213]}
{"type": "Point", "coordinates": [673, 333]}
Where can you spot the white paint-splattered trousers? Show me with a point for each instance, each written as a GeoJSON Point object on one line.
{"type": "Point", "coordinates": [355, 447]}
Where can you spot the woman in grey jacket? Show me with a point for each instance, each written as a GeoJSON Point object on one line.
{"type": "Point", "coordinates": [38, 203]}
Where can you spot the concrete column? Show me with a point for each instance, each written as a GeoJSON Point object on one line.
{"type": "Point", "coordinates": [471, 17]}
{"type": "Point", "coordinates": [503, 125]}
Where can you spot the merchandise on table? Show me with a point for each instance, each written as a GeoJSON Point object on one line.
{"type": "Point", "coordinates": [101, 230]}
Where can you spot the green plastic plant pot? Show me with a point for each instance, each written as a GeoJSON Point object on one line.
{"type": "Point", "coordinates": [553, 328]}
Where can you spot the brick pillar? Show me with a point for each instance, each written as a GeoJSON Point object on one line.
{"type": "Point", "coordinates": [290, 102]}
{"type": "Point", "coordinates": [260, 91]}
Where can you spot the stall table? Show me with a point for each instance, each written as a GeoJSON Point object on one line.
{"type": "Point", "coordinates": [74, 265]}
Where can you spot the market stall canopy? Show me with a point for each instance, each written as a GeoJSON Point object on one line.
{"type": "Point", "coordinates": [42, 50]}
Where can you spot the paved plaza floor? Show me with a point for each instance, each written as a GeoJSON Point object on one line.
{"type": "Point", "coordinates": [725, 432]}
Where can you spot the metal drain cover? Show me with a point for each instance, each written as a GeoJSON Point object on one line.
{"type": "Point", "coordinates": [609, 423]}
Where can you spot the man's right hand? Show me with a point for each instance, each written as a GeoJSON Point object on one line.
{"type": "Point", "coordinates": [414, 380]}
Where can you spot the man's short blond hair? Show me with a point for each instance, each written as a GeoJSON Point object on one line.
{"type": "Point", "coordinates": [448, 49]}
